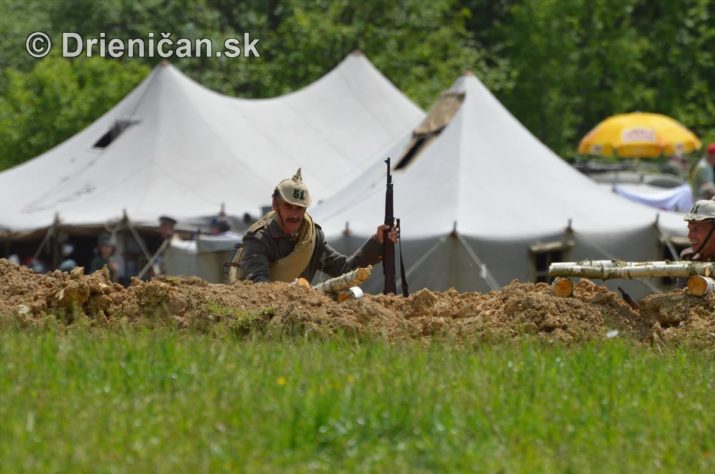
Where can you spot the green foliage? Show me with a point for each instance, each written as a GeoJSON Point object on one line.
{"type": "Point", "coordinates": [680, 60]}
{"type": "Point", "coordinates": [59, 97]}
{"type": "Point", "coordinates": [576, 63]}
{"type": "Point", "coordinates": [559, 66]}
{"type": "Point", "coordinates": [19, 19]}
{"type": "Point", "coordinates": [579, 62]}
{"type": "Point", "coordinates": [162, 401]}
{"type": "Point", "coordinates": [227, 320]}
{"type": "Point", "coordinates": [422, 46]}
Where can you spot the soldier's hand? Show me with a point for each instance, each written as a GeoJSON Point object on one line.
{"type": "Point", "coordinates": [393, 234]}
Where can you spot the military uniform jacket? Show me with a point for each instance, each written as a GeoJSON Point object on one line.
{"type": "Point", "coordinates": [689, 255]}
{"type": "Point", "coordinates": [264, 243]}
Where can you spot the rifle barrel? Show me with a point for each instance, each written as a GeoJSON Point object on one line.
{"type": "Point", "coordinates": [388, 248]}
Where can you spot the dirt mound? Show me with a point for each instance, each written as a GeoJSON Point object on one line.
{"type": "Point", "coordinates": [677, 317]}
{"type": "Point", "coordinates": [517, 310]}
{"type": "Point", "coordinates": [26, 293]}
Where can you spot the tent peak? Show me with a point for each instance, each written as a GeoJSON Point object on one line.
{"type": "Point", "coordinates": [468, 73]}
{"type": "Point", "coordinates": [357, 52]}
{"type": "Point", "coordinates": [164, 63]}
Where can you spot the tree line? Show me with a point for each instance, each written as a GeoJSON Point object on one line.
{"type": "Point", "coordinates": [560, 66]}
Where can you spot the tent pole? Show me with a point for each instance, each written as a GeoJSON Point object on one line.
{"type": "Point", "coordinates": [153, 258]}
{"type": "Point", "coordinates": [55, 243]}
{"type": "Point", "coordinates": [42, 244]}
{"type": "Point", "coordinates": [666, 240]}
{"type": "Point", "coordinates": [137, 237]}
{"type": "Point", "coordinates": [45, 240]}
{"type": "Point", "coordinates": [55, 246]}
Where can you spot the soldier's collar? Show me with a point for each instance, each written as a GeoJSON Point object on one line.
{"type": "Point", "coordinates": [275, 229]}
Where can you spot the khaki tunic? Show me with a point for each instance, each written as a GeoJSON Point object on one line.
{"type": "Point", "coordinates": [264, 243]}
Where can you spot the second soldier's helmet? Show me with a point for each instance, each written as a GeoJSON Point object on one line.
{"type": "Point", "coordinates": [105, 238]}
{"type": "Point", "coordinates": [294, 190]}
{"type": "Point", "coordinates": [701, 211]}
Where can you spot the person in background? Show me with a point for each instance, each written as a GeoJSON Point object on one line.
{"type": "Point", "coordinates": [167, 230]}
{"type": "Point", "coordinates": [67, 264]}
{"type": "Point", "coordinates": [701, 234]}
{"type": "Point", "coordinates": [105, 252]}
{"type": "Point", "coordinates": [167, 227]}
{"type": "Point", "coordinates": [677, 165]}
{"type": "Point", "coordinates": [702, 178]}
{"type": "Point", "coordinates": [34, 264]}
{"type": "Point", "coordinates": [219, 226]}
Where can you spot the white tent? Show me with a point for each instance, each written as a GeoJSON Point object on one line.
{"type": "Point", "coordinates": [202, 257]}
{"type": "Point", "coordinates": [484, 202]}
{"type": "Point", "coordinates": [679, 198]}
{"type": "Point", "coordinates": [174, 147]}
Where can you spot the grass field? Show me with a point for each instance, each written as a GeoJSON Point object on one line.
{"type": "Point", "coordinates": [167, 401]}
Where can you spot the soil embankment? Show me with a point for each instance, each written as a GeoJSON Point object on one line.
{"type": "Point", "coordinates": [517, 310]}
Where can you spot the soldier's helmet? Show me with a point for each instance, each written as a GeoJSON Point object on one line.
{"type": "Point", "coordinates": [294, 190]}
{"type": "Point", "coordinates": [105, 238]}
{"type": "Point", "coordinates": [701, 211]}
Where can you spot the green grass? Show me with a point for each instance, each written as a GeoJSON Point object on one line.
{"type": "Point", "coordinates": [169, 401]}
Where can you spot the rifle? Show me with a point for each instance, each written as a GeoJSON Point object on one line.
{"type": "Point", "coordinates": [388, 247]}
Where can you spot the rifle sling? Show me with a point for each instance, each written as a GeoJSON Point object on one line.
{"type": "Point", "coordinates": [403, 276]}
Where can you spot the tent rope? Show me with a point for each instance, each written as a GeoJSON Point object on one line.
{"type": "Point", "coordinates": [138, 239]}
{"type": "Point", "coordinates": [665, 238]}
{"type": "Point", "coordinates": [153, 258]}
{"type": "Point", "coordinates": [424, 257]}
{"type": "Point", "coordinates": [485, 274]}
{"type": "Point", "coordinates": [48, 235]}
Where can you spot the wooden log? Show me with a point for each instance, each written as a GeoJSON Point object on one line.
{"type": "Point", "coordinates": [609, 269]}
{"type": "Point", "coordinates": [700, 285]}
{"type": "Point", "coordinates": [342, 282]}
{"type": "Point", "coordinates": [562, 287]}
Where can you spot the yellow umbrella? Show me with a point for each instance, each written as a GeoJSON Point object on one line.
{"type": "Point", "coordinates": [637, 135]}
